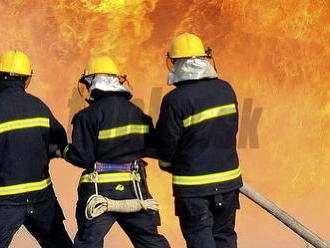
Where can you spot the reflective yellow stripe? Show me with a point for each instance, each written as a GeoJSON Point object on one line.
{"type": "Point", "coordinates": [164, 164]}
{"type": "Point", "coordinates": [66, 149]}
{"type": "Point", "coordinates": [24, 187]}
{"type": "Point", "coordinates": [124, 130]}
{"type": "Point", "coordinates": [24, 123]}
{"type": "Point", "coordinates": [108, 177]}
{"type": "Point", "coordinates": [209, 114]}
{"type": "Point", "coordinates": [207, 179]}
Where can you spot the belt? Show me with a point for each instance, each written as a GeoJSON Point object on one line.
{"type": "Point", "coordinates": [106, 167]}
{"type": "Point", "coordinates": [119, 173]}
{"type": "Point", "coordinates": [115, 177]}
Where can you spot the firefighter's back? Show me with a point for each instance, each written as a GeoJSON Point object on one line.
{"type": "Point", "coordinates": [123, 130]}
{"type": "Point", "coordinates": [24, 136]}
{"type": "Point", "coordinates": [208, 110]}
{"type": "Point", "coordinates": [206, 156]}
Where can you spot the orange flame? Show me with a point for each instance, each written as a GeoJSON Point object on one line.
{"type": "Point", "coordinates": [276, 52]}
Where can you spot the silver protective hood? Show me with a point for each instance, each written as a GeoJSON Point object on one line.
{"type": "Point", "coordinates": [105, 83]}
{"type": "Point", "coordinates": [190, 69]}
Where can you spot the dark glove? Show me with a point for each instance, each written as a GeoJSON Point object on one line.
{"type": "Point", "coordinates": [150, 153]}
{"type": "Point", "coordinates": [54, 151]}
{"type": "Point", "coordinates": [165, 166]}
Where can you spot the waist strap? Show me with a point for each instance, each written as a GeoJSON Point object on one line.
{"type": "Point", "coordinates": [110, 177]}
{"type": "Point", "coordinates": [105, 167]}
{"type": "Point", "coordinates": [208, 178]}
{"type": "Point", "coordinates": [24, 187]}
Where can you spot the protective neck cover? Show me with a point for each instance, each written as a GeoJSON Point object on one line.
{"type": "Point", "coordinates": [106, 83]}
{"type": "Point", "coordinates": [11, 84]}
{"type": "Point", "coordinates": [190, 69]}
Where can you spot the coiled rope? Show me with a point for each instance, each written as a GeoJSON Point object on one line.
{"type": "Point", "coordinates": [97, 204]}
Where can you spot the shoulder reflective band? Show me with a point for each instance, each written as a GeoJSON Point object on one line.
{"type": "Point", "coordinates": [209, 114]}
{"type": "Point", "coordinates": [24, 123]}
{"type": "Point", "coordinates": [108, 178]}
{"type": "Point", "coordinates": [207, 179]}
{"type": "Point", "coordinates": [164, 164]}
{"type": "Point", "coordinates": [24, 187]}
{"type": "Point", "coordinates": [122, 131]}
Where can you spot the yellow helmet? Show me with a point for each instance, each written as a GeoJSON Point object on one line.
{"type": "Point", "coordinates": [101, 65]}
{"type": "Point", "coordinates": [98, 65]}
{"type": "Point", "coordinates": [187, 45]}
{"type": "Point", "coordinates": [15, 62]}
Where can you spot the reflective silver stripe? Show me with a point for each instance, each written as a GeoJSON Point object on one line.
{"type": "Point", "coordinates": [123, 130]}
{"type": "Point", "coordinates": [210, 114]}
{"type": "Point", "coordinates": [208, 178]}
{"type": "Point", "coordinates": [24, 123]}
{"type": "Point", "coordinates": [24, 187]}
{"type": "Point", "coordinates": [108, 177]}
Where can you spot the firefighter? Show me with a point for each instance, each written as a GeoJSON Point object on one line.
{"type": "Point", "coordinates": [196, 140]}
{"type": "Point", "coordinates": [109, 137]}
{"type": "Point", "coordinates": [27, 129]}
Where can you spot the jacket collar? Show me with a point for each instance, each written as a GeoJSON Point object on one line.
{"type": "Point", "coordinates": [187, 82]}
{"type": "Point", "coordinates": [98, 95]}
{"type": "Point", "coordinates": [11, 85]}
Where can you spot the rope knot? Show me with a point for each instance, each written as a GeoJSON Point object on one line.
{"type": "Point", "coordinates": [94, 176]}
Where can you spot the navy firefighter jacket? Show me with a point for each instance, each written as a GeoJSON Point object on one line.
{"type": "Point", "coordinates": [112, 130]}
{"type": "Point", "coordinates": [196, 138]}
{"type": "Point", "coordinates": [27, 128]}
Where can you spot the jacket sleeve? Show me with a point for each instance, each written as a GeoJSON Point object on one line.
{"type": "Point", "coordinates": [169, 130]}
{"type": "Point", "coordinates": [150, 147]}
{"type": "Point", "coordinates": [84, 139]}
{"type": "Point", "coordinates": [57, 136]}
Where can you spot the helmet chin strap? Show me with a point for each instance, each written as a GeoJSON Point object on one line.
{"type": "Point", "coordinates": [27, 82]}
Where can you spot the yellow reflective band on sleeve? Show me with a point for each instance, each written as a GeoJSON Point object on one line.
{"type": "Point", "coordinates": [164, 164]}
{"type": "Point", "coordinates": [108, 177]}
{"type": "Point", "coordinates": [122, 131]}
{"type": "Point", "coordinates": [207, 179]}
{"type": "Point", "coordinates": [24, 123]}
{"type": "Point", "coordinates": [24, 187]}
{"type": "Point", "coordinates": [66, 149]}
{"type": "Point", "coordinates": [210, 114]}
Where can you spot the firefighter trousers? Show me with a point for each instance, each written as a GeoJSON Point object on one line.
{"type": "Point", "coordinates": [208, 222]}
{"type": "Point", "coordinates": [141, 228]}
{"type": "Point", "coordinates": [44, 220]}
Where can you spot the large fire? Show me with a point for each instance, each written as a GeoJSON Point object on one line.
{"type": "Point", "coordinates": [276, 52]}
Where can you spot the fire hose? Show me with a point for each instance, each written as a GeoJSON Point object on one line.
{"type": "Point", "coordinates": [97, 205]}
{"type": "Point", "coordinates": [284, 217]}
